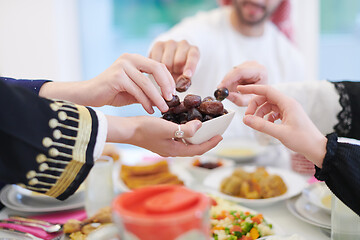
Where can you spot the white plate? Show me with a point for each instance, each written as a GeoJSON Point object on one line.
{"type": "Point", "coordinates": [12, 198]}
{"type": "Point", "coordinates": [312, 212]}
{"type": "Point", "coordinates": [239, 150]}
{"type": "Point", "coordinates": [294, 182]}
{"type": "Point", "coordinates": [179, 171]}
{"type": "Point", "coordinates": [308, 212]}
{"type": "Point", "coordinates": [315, 193]}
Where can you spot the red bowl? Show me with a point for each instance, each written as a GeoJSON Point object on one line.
{"type": "Point", "coordinates": [162, 212]}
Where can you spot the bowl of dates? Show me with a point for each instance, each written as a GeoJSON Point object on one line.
{"type": "Point", "coordinates": [211, 112]}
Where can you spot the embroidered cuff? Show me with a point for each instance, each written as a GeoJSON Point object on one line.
{"type": "Point", "coordinates": [102, 134]}
{"type": "Point", "coordinates": [331, 148]}
{"type": "Point", "coordinates": [69, 151]}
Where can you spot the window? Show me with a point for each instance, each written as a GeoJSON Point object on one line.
{"type": "Point", "coordinates": [339, 47]}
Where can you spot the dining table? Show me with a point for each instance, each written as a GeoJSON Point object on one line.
{"type": "Point", "coordinates": [275, 156]}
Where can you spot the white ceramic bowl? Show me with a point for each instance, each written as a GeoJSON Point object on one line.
{"type": "Point", "coordinates": [239, 150]}
{"type": "Point", "coordinates": [201, 173]}
{"type": "Point", "coordinates": [319, 195]}
{"type": "Point", "coordinates": [211, 128]}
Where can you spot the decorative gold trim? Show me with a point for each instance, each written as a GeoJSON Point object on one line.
{"type": "Point", "coordinates": [78, 156]}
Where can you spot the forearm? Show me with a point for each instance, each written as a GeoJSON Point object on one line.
{"type": "Point", "coordinates": [121, 129]}
{"type": "Point", "coordinates": [77, 92]}
{"type": "Point", "coordinates": [341, 171]}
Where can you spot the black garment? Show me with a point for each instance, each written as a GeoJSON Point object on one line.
{"type": "Point", "coordinates": [341, 165]}
{"type": "Point", "coordinates": [341, 171]}
{"type": "Point", "coordinates": [47, 146]}
{"type": "Point", "coordinates": [32, 85]}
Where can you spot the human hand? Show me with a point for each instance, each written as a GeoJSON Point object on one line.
{"type": "Point", "coordinates": [247, 73]}
{"type": "Point", "coordinates": [296, 131]}
{"type": "Point", "coordinates": [156, 135]}
{"type": "Point", "coordinates": [180, 58]}
{"type": "Point", "coordinates": [124, 83]}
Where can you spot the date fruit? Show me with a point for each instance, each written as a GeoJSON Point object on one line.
{"type": "Point", "coordinates": [182, 83]}
{"type": "Point", "coordinates": [192, 101]}
{"type": "Point", "coordinates": [174, 101]}
{"type": "Point", "coordinates": [221, 93]}
{"type": "Point", "coordinates": [214, 108]}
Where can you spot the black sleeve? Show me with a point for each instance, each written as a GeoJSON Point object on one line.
{"type": "Point", "coordinates": [349, 117]}
{"type": "Point", "coordinates": [46, 146]}
{"type": "Point", "coordinates": [32, 85]}
{"type": "Point", "coordinates": [341, 171]}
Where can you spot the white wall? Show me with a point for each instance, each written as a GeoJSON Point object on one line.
{"type": "Point", "coordinates": [40, 39]}
{"type": "Point", "coordinates": [306, 25]}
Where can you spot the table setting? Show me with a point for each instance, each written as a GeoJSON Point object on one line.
{"type": "Point", "coordinates": [283, 211]}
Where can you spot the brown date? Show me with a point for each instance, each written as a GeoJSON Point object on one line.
{"type": "Point", "coordinates": [194, 114]}
{"type": "Point", "coordinates": [208, 99]}
{"type": "Point", "coordinates": [168, 116]}
{"type": "Point", "coordinates": [182, 118]}
{"type": "Point", "coordinates": [182, 83]}
{"type": "Point", "coordinates": [221, 93]}
{"type": "Point", "coordinates": [174, 101]}
{"type": "Point", "coordinates": [192, 101]}
{"type": "Point", "coordinates": [213, 108]}
{"type": "Point", "coordinates": [179, 108]}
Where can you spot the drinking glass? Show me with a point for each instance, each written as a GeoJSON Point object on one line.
{"type": "Point", "coordinates": [345, 223]}
{"type": "Point", "coordinates": [99, 190]}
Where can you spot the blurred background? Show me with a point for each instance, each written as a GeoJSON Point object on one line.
{"type": "Point", "coordinates": [70, 40]}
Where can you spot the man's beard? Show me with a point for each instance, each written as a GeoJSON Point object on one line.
{"type": "Point", "coordinates": [245, 21]}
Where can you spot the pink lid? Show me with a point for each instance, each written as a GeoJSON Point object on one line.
{"type": "Point", "coordinates": [162, 202]}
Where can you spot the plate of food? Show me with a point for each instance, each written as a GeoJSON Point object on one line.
{"type": "Point", "coordinates": [255, 186]}
{"type": "Point", "coordinates": [127, 178]}
{"type": "Point", "coordinates": [229, 220]}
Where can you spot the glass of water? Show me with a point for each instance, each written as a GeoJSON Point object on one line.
{"type": "Point", "coordinates": [99, 190]}
{"type": "Point", "coordinates": [345, 223]}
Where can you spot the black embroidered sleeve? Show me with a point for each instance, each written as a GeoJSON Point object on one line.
{"type": "Point", "coordinates": [47, 145]}
{"type": "Point", "coordinates": [341, 171]}
{"type": "Point", "coordinates": [349, 117]}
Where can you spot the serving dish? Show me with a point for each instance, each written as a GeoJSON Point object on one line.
{"type": "Point", "coordinates": [295, 184]}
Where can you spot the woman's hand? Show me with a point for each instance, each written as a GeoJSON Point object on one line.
{"type": "Point", "coordinates": [121, 84]}
{"type": "Point", "coordinates": [124, 83]}
{"type": "Point", "coordinates": [296, 131]}
{"type": "Point", "coordinates": [157, 135]}
{"type": "Point", "coordinates": [247, 73]}
{"type": "Point", "coordinates": [180, 58]}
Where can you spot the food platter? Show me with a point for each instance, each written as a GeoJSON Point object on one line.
{"type": "Point", "coordinates": [180, 171]}
{"type": "Point", "coordinates": [295, 184]}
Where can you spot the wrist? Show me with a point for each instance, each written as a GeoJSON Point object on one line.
{"type": "Point", "coordinates": [120, 129]}
{"type": "Point", "coordinates": [318, 152]}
